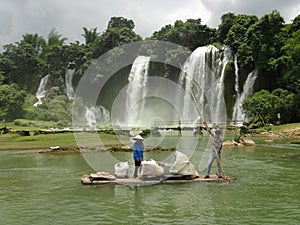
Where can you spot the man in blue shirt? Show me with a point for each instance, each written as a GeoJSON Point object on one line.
{"type": "Point", "coordinates": [138, 153]}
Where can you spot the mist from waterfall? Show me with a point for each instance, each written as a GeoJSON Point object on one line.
{"type": "Point", "coordinates": [69, 83]}
{"type": "Point", "coordinates": [42, 89]}
{"type": "Point", "coordinates": [96, 116]}
{"type": "Point", "coordinates": [238, 116]}
{"type": "Point", "coordinates": [137, 91]}
{"type": "Point", "coordinates": [203, 77]}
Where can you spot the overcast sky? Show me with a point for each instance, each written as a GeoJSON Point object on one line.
{"type": "Point", "coordinates": [18, 17]}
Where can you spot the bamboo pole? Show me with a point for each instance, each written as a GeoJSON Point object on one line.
{"type": "Point", "coordinates": [210, 137]}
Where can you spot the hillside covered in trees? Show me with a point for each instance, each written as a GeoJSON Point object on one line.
{"type": "Point", "coordinates": [267, 44]}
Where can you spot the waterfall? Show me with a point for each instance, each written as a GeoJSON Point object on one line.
{"type": "Point", "coordinates": [96, 116]}
{"type": "Point", "coordinates": [69, 85]}
{"type": "Point", "coordinates": [137, 90]}
{"type": "Point", "coordinates": [236, 73]}
{"type": "Point", "coordinates": [203, 77]}
{"type": "Point", "coordinates": [236, 108]}
{"type": "Point", "coordinates": [41, 92]}
{"type": "Point", "coordinates": [238, 117]}
{"type": "Point", "coordinates": [218, 113]}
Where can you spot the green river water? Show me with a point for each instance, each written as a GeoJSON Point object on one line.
{"type": "Point", "coordinates": [45, 189]}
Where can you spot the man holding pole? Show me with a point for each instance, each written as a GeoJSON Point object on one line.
{"type": "Point", "coordinates": [216, 151]}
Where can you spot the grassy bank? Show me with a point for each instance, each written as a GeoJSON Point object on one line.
{"type": "Point", "coordinates": [13, 141]}
{"type": "Point", "coordinates": [45, 141]}
{"type": "Point", "coordinates": [291, 127]}
{"type": "Point", "coordinates": [288, 130]}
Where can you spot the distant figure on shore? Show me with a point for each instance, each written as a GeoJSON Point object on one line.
{"type": "Point", "coordinates": [197, 131]}
{"type": "Point", "coordinates": [179, 129]}
{"type": "Point", "coordinates": [138, 153]}
{"type": "Point", "coordinates": [243, 130]}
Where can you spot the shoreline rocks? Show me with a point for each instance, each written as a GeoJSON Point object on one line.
{"type": "Point", "coordinates": [243, 142]}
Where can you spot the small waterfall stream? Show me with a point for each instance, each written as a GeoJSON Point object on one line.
{"type": "Point", "coordinates": [96, 116]}
{"type": "Point", "coordinates": [42, 89]}
{"type": "Point", "coordinates": [238, 117]}
{"type": "Point", "coordinates": [69, 85]}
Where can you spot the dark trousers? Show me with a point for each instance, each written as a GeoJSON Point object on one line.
{"type": "Point", "coordinates": [137, 164]}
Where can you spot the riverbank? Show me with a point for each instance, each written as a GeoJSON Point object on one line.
{"type": "Point", "coordinates": [66, 140]}
{"type": "Point", "coordinates": [288, 132]}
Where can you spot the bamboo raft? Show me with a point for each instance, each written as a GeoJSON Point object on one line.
{"type": "Point", "coordinates": [94, 179]}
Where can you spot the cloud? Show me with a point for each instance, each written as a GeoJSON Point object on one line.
{"type": "Point", "coordinates": [18, 17]}
{"type": "Point", "coordinates": [288, 9]}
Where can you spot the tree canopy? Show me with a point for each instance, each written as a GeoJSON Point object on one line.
{"type": "Point", "coordinates": [266, 44]}
{"type": "Point", "coordinates": [191, 33]}
{"type": "Point", "coordinates": [276, 107]}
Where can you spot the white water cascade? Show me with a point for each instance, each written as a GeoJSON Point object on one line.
{"type": "Point", "coordinates": [42, 89]}
{"type": "Point", "coordinates": [96, 116]}
{"type": "Point", "coordinates": [69, 85]}
{"type": "Point", "coordinates": [136, 91]}
{"type": "Point", "coordinates": [238, 117]}
{"type": "Point", "coordinates": [203, 78]}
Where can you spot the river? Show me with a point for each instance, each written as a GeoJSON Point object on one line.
{"type": "Point", "coordinates": [45, 189]}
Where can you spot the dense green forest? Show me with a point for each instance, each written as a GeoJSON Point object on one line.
{"type": "Point", "coordinates": [267, 44]}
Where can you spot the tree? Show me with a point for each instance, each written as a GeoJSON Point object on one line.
{"type": "Point", "coordinates": [291, 72]}
{"type": "Point", "coordinates": [292, 48]}
{"type": "Point", "coordinates": [261, 50]}
{"type": "Point", "coordinates": [119, 32]}
{"type": "Point", "coordinates": [11, 102]}
{"type": "Point", "coordinates": [36, 41]}
{"type": "Point", "coordinates": [265, 39]}
{"type": "Point", "coordinates": [61, 108]}
{"type": "Point", "coordinates": [289, 62]}
{"type": "Point", "coordinates": [265, 106]}
{"type": "Point", "coordinates": [56, 59]}
{"type": "Point", "coordinates": [224, 27]}
{"type": "Point", "coordinates": [21, 64]}
{"type": "Point", "coordinates": [284, 105]}
{"type": "Point", "coordinates": [54, 38]}
{"type": "Point", "coordinates": [90, 35]}
{"type": "Point", "coordinates": [119, 23]}
{"type": "Point", "coordinates": [295, 25]}
{"type": "Point", "coordinates": [162, 34]}
{"type": "Point", "coordinates": [260, 106]}
{"type": "Point", "coordinates": [236, 34]}
{"type": "Point", "coordinates": [57, 108]}
{"type": "Point", "coordinates": [191, 34]}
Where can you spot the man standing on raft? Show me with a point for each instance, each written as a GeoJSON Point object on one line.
{"type": "Point", "coordinates": [216, 148]}
{"type": "Point", "coordinates": [138, 153]}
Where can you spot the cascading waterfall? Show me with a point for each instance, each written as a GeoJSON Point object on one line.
{"type": "Point", "coordinates": [69, 85]}
{"type": "Point", "coordinates": [218, 113]}
{"type": "Point", "coordinates": [137, 90]}
{"type": "Point", "coordinates": [96, 116]}
{"type": "Point", "coordinates": [238, 117]}
{"type": "Point", "coordinates": [42, 89]}
{"type": "Point", "coordinates": [236, 108]}
{"type": "Point", "coordinates": [203, 77]}
{"type": "Point", "coordinates": [236, 73]}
